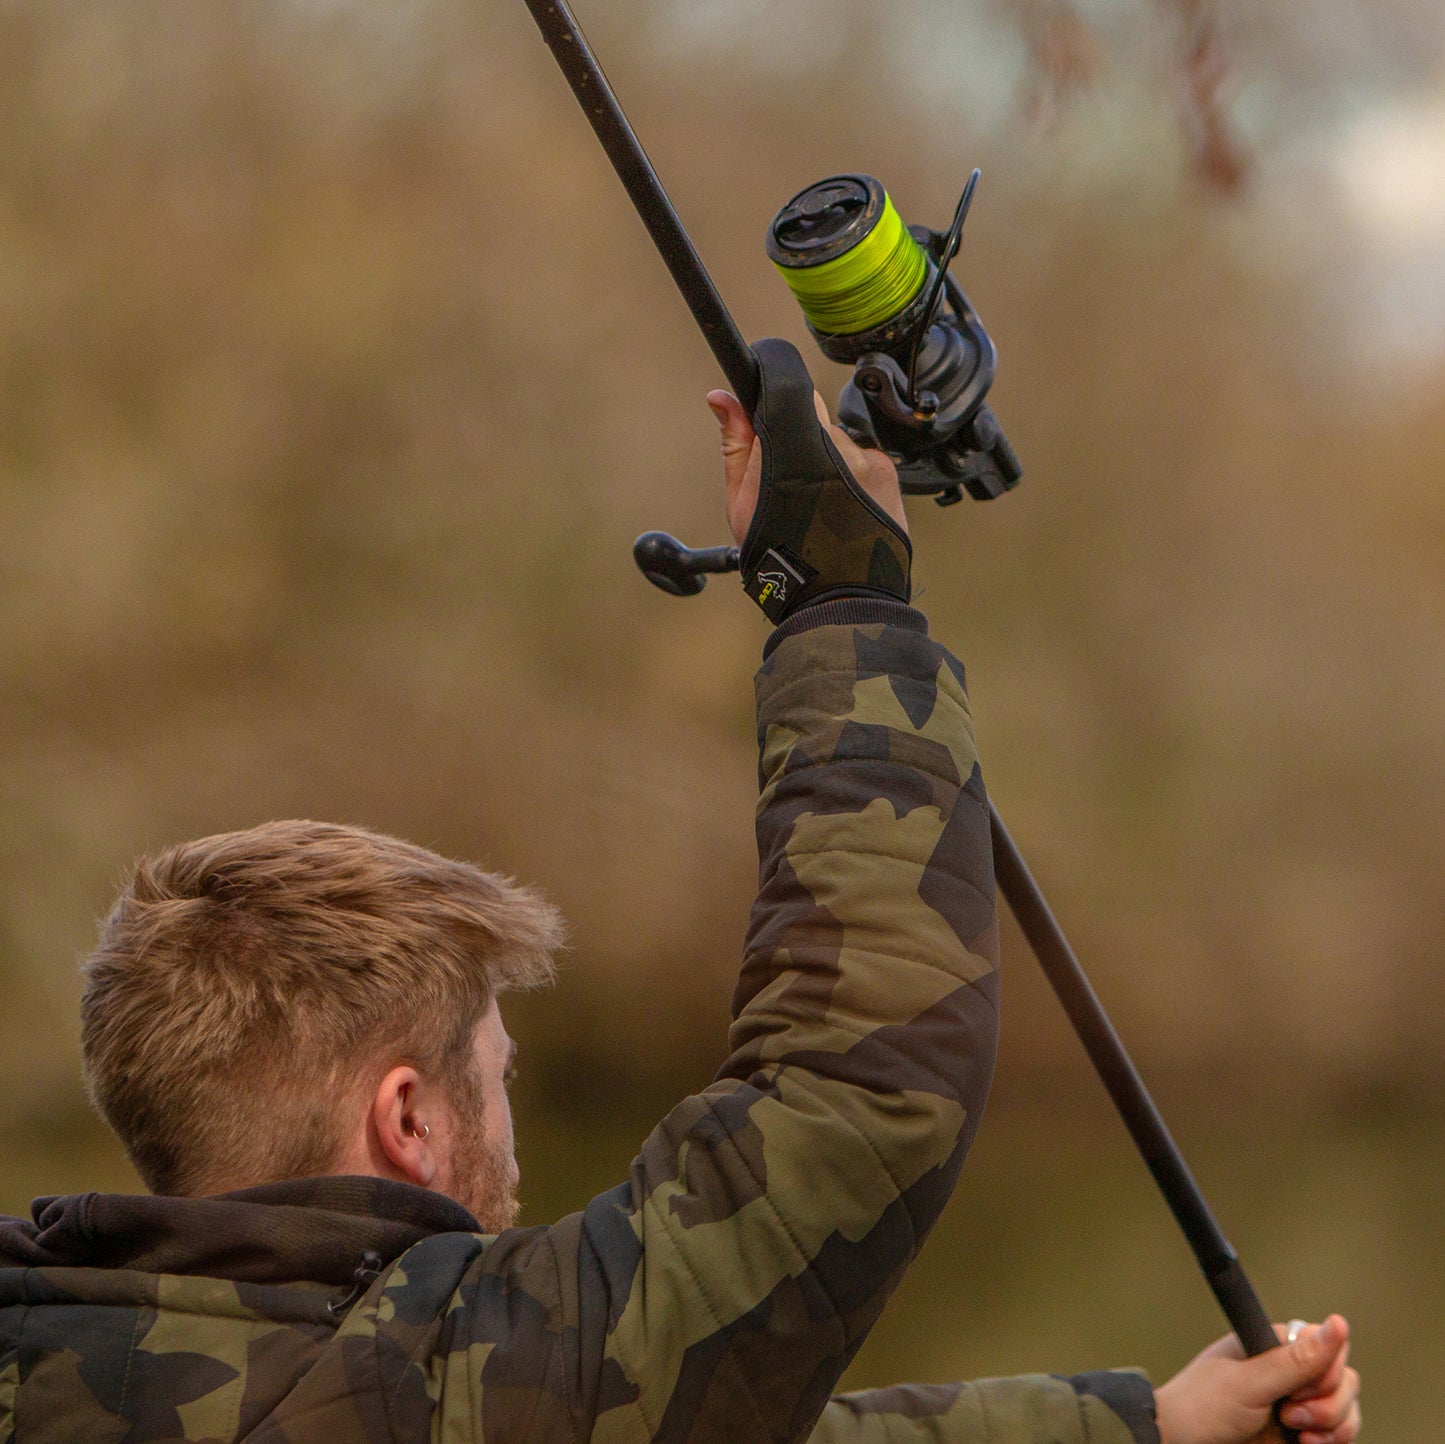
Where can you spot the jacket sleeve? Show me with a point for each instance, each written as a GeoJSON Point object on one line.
{"type": "Point", "coordinates": [1109, 1407]}
{"type": "Point", "coordinates": [721, 1292]}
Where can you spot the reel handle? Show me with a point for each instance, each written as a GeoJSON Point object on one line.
{"type": "Point", "coordinates": [680, 570]}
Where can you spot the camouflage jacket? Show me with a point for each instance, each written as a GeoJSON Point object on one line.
{"type": "Point", "coordinates": [719, 1293]}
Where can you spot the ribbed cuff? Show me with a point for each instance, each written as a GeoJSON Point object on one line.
{"type": "Point", "coordinates": [849, 609]}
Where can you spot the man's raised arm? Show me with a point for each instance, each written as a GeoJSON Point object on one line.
{"type": "Point", "coordinates": [768, 1218]}
{"type": "Point", "coordinates": [725, 1288]}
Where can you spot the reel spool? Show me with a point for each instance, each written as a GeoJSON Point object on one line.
{"type": "Point", "coordinates": [876, 295]}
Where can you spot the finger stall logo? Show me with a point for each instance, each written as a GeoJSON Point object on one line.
{"type": "Point", "coordinates": [778, 581]}
{"type": "Point", "coordinates": [772, 586]}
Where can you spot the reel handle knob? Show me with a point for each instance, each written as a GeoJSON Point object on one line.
{"type": "Point", "coordinates": [677, 569]}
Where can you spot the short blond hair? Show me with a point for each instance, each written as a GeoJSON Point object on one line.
{"type": "Point", "coordinates": [244, 984]}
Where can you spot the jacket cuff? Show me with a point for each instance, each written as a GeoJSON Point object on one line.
{"type": "Point", "coordinates": [1128, 1393]}
{"type": "Point", "coordinates": [848, 609]}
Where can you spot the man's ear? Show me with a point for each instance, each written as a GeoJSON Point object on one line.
{"type": "Point", "coordinates": [399, 1127]}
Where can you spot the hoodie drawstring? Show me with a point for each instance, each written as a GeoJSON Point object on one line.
{"type": "Point", "coordinates": [361, 1280]}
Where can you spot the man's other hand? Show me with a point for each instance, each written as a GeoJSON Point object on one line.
{"type": "Point", "coordinates": [1221, 1397]}
{"type": "Point", "coordinates": [743, 464]}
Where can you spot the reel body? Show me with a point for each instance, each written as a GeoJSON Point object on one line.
{"type": "Point", "coordinates": [878, 296]}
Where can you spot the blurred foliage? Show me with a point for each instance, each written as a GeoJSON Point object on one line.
{"type": "Point", "coordinates": [336, 377]}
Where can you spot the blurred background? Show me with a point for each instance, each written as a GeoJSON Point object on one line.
{"type": "Point", "coordinates": [337, 376]}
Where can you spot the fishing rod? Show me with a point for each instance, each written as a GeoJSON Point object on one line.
{"type": "Point", "coordinates": [878, 294]}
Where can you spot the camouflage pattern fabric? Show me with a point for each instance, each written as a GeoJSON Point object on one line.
{"type": "Point", "coordinates": [715, 1296]}
{"type": "Point", "coordinates": [1086, 1409]}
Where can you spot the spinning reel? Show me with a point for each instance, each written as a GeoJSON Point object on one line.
{"type": "Point", "coordinates": [877, 295]}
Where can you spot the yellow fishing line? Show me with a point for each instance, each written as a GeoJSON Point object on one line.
{"type": "Point", "coordinates": [865, 286]}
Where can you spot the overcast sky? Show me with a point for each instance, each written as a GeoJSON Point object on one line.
{"type": "Point", "coordinates": [1339, 104]}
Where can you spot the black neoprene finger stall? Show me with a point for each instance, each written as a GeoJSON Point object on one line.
{"type": "Point", "coordinates": [815, 529]}
{"type": "Point", "coordinates": [785, 418]}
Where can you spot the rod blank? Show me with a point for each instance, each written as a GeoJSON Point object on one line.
{"type": "Point", "coordinates": [569, 46]}
{"type": "Point", "coordinates": [1217, 1258]}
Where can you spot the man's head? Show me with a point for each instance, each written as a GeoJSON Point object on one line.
{"type": "Point", "coordinates": [302, 999]}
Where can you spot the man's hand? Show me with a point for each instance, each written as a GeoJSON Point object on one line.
{"type": "Point", "coordinates": [1221, 1397]}
{"type": "Point", "coordinates": [743, 464]}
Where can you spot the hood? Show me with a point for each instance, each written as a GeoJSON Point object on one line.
{"type": "Point", "coordinates": [310, 1228]}
{"type": "Point", "coordinates": [201, 1318]}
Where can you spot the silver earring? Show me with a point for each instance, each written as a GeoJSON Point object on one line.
{"type": "Point", "coordinates": [424, 1134]}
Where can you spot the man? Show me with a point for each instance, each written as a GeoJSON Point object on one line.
{"type": "Point", "coordinates": [295, 1032]}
